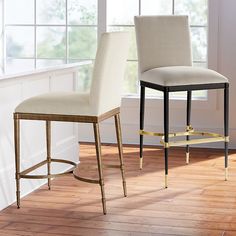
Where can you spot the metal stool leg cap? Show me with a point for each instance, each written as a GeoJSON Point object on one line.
{"type": "Point", "coordinates": [226, 173]}
{"type": "Point", "coordinates": [187, 157]}
{"type": "Point", "coordinates": [166, 181]}
{"type": "Point", "coordinates": [141, 163]}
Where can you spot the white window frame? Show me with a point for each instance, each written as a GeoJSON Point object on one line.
{"type": "Point", "coordinates": [213, 17]}
{"type": "Point", "coordinates": [66, 25]}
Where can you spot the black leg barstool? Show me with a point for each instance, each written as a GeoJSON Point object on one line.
{"type": "Point", "coordinates": [165, 64]}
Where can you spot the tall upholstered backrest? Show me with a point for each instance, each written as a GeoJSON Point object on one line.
{"type": "Point", "coordinates": [108, 73]}
{"type": "Point", "coordinates": [163, 41]}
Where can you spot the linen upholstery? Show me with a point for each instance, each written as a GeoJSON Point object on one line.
{"type": "Point", "coordinates": [162, 41]}
{"type": "Point", "coordinates": [106, 88]}
{"type": "Point", "coordinates": [182, 75]}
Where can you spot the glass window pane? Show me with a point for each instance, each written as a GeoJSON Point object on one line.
{"type": "Point", "coordinates": [200, 64]}
{"type": "Point", "coordinates": [153, 93]}
{"type": "Point", "coordinates": [51, 12]}
{"type": "Point", "coordinates": [199, 43]}
{"type": "Point", "coordinates": [133, 48]}
{"type": "Point", "coordinates": [200, 94]}
{"type": "Point", "coordinates": [19, 41]}
{"type": "Point", "coordinates": [84, 77]}
{"type": "Point", "coordinates": [131, 78]}
{"type": "Point", "coordinates": [196, 9]}
{"type": "Point", "coordinates": [42, 63]}
{"type": "Point", "coordinates": [82, 42]}
{"type": "Point", "coordinates": [51, 42]}
{"type": "Point", "coordinates": [122, 12]}
{"type": "Point", "coordinates": [17, 12]}
{"type": "Point", "coordinates": [82, 12]}
{"type": "Point", "coordinates": [18, 65]}
{"type": "Point", "coordinates": [156, 7]}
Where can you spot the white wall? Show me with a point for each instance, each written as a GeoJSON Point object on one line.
{"type": "Point", "coordinates": [33, 149]}
{"type": "Point", "coordinates": [206, 115]}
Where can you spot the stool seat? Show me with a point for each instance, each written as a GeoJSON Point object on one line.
{"type": "Point", "coordinates": [182, 75]}
{"type": "Point", "coordinates": [60, 103]}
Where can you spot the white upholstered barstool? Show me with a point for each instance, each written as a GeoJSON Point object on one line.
{"type": "Point", "coordinates": [102, 102]}
{"type": "Point", "coordinates": [165, 64]}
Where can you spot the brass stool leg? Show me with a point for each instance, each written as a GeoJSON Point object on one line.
{"type": "Point", "coordinates": [119, 142]}
{"type": "Point", "coordinates": [99, 161]}
{"type": "Point", "coordinates": [189, 97]}
{"type": "Point", "coordinates": [17, 158]}
{"type": "Point", "coordinates": [166, 133]}
{"type": "Point", "coordinates": [226, 126]}
{"type": "Point", "coordinates": [48, 142]}
{"type": "Point", "coordinates": [142, 108]}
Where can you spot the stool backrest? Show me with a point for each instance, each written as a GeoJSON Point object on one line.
{"type": "Point", "coordinates": [163, 41]}
{"type": "Point", "coordinates": [108, 73]}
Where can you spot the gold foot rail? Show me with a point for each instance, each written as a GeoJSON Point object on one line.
{"type": "Point", "coordinates": [213, 137]}
{"type": "Point", "coordinates": [24, 174]}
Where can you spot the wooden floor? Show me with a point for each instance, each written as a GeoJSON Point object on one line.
{"type": "Point", "coordinates": [197, 202]}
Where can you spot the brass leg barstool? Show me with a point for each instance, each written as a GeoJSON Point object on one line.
{"type": "Point", "coordinates": [102, 102]}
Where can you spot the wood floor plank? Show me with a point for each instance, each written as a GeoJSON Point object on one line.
{"type": "Point", "coordinates": [197, 202]}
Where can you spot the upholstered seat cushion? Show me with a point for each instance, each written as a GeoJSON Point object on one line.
{"type": "Point", "coordinates": [182, 75]}
{"type": "Point", "coordinates": [63, 103]}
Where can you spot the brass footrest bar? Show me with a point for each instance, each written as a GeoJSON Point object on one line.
{"type": "Point", "coordinates": [213, 137]}
{"type": "Point", "coordinates": [24, 174]}
{"type": "Point", "coordinates": [92, 181]}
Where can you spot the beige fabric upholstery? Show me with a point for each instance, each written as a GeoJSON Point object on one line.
{"type": "Point", "coordinates": [162, 41]}
{"type": "Point", "coordinates": [106, 89]}
{"type": "Point", "coordinates": [182, 75]}
{"type": "Point", "coordinates": [164, 53]}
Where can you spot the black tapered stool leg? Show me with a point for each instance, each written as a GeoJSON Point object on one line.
{"type": "Point", "coordinates": [226, 126]}
{"type": "Point", "coordinates": [188, 117]}
{"type": "Point", "coordinates": [166, 133]}
{"type": "Point", "coordinates": [142, 108]}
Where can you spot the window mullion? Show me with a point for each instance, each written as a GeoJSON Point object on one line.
{"type": "Point", "coordinates": [173, 7]}
{"type": "Point", "coordinates": [3, 47]}
{"type": "Point", "coordinates": [35, 36]}
{"type": "Point", "coordinates": [102, 17]}
{"type": "Point", "coordinates": [67, 42]}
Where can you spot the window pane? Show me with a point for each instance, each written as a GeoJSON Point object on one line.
{"type": "Point", "coordinates": [82, 42]}
{"type": "Point", "coordinates": [19, 41]}
{"type": "Point", "coordinates": [82, 12]}
{"type": "Point", "coordinates": [200, 64]}
{"type": "Point", "coordinates": [84, 77]}
{"type": "Point", "coordinates": [122, 12]}
{"type": "Point", "coordinates": [51, 12]}
{"type": "Point", "coordinates": [51, 42]}
{"type": "Point", "coordinates": [131, 78]}
{"type": "Point", "coordinates": [196, 9]}
{"type": "Point", "coordinates": [200, 95]}
{"type": "Point", "coordinates": [17, 12]}
{"type": "Point", "coordinates": [133, 48]}
{"type": "Point", "coordinates": [42, 63]}
{"type": "Point", "coordinates": [156, 7]}
{"type": "Point", "coordinates": [199, 43]}
{"type": "Point", "coordinates": [19, 65]}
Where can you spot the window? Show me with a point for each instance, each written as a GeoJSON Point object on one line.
{"type": "Point", "coordinates": [120, 15]}
{"type": "Point", "coordinates": [49, 33]}
{"type": "Point", "coordinates": [62, 31]}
